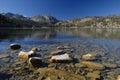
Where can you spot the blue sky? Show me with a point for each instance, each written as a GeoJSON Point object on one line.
{"type": "Point", "coordinates": [61, 9]}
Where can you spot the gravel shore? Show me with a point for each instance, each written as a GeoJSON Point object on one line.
{"type": "Point", "coordinates": [107, 55]}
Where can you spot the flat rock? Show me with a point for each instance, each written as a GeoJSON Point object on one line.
{"type": "Point", "coordinates": [93, 76]}
{"type": "Point", "coordinates": [63, 47]}
{"type": "Point", "coordinates": [61, 58]}
{"type": "Point", "coordinates": [79, 65]}
{"type": "Point", "coordinates": [93, 65]}
{"type": "Point", "coordinates": [57, 52]}
{"type": "Point", "coordinates": [110, 65]}
{"type": "Point", "coordinates": [4, 56]}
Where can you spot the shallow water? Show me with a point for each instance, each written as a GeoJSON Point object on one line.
{"type": "Point", "coordinates": [81, 40]}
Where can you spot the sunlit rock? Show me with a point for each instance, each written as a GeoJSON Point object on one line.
{"type": "Point", "coordinates": [61, 58]}
{"type": "Point", "coordinates": [118, 78]}
{"type": "Point", "coordinates": [15, 46]}
{"type": "Point", "coordinates": [26, 55]}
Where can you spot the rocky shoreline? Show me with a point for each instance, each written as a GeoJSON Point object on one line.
{"type": "Point", "coordinates": [89, 62]}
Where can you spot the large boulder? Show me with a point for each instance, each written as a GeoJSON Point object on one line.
{"type": "Point", "coordinates": [15, 46]}
{"type": "Point", "coordinates": [61, 58]}
{"type": "Point", "coordinates": [26, 55]}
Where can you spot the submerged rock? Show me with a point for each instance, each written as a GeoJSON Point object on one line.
{"type": "Point", "coordinates": [61, 58]}
{"type": "Point", "coordinates": [35, 62]}
{"type": "Point", "coordinates": [93, 65]}
{"type": "Point", "coordinates": [15, 46]}
{"type": "Point", "coordinates": [53, 74]}
{"type": "Point", "coordinates": [4, 56]}
{"type": "Point", "coordinates": [34, 49]}
{"type": "Point", "coordinates": [57, 52]}
{"type": "Point", "coordinates": [26, 55]}
{"type": "Point", "coordinates": [88, 57]}
{"type": "Point", "coordinates": [93, 76]}
{"type": "Point", "coordinates": [110, 65]}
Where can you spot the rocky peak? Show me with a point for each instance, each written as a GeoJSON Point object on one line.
{"type": "Point", "coordinates": [44, 19]}
{"type": "Point", "coordinates": [15, 16]}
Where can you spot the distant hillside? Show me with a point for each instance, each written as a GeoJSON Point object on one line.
{"type": "Point", "coordinates": [99, 22]}
{"type": "Point", "coordinates": [17, 20]}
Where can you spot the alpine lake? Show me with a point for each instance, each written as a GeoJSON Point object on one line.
{"type": "Point", "coordinates": [103, 43]}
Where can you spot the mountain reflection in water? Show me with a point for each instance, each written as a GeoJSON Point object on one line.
{"type": "Point", "coordinates": [48, 35]}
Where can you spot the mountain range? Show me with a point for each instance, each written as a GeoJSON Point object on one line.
{"type": "Point", "coordinates": [17, 20]}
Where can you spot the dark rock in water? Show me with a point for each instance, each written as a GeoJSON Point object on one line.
{"type": "Point", "coordinates": [15, 46]}
{"type": "Point", "coordinates": [35, 62]}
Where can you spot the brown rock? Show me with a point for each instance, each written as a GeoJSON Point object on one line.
{"type": "Point", "coordinates": [79, 65]}
{"type": "Point", "coordinates": [63, 47]}
{"type": "Point", "coordinates": [93, 76]}
{"type": "Point", "coordinates": [57, 52]}
{"type": "Point", "coordinates": [110, 65]}
{"type": "Point", "coordinates": [34, 49]}
{"type": "Point", "coordinates": [118, 77]}
{"type": "Point", "coordinates": [4, 56]}
{"type": "Point", "coordinates": [88, 57]}
{"type": "Point", "coordinates": [93, 65]}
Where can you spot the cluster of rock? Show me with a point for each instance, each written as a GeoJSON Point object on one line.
{"type": "Point", "coordinates": [89, 67]}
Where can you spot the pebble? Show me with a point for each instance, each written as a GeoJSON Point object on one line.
{"type": "Point", "coordinates": [88, 57]}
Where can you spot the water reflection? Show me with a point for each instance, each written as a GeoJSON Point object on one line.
{"type": "Point", "coordinates": [48, 34]}
{"type": "Point", "coordinates": [108, 33]}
